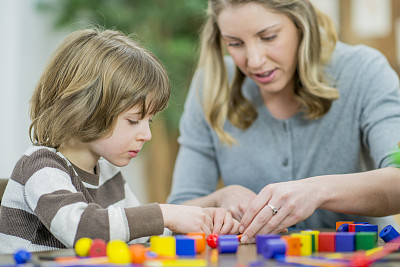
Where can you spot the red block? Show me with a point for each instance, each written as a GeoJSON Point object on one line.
{"type": "Point", "coordinates": [326, 242]}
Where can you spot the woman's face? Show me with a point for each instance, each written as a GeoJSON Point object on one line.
{"type": "Point", "coordinates": [263, 44]}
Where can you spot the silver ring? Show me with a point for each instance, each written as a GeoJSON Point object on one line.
{"type": "Point", "coordinates": [274, 210]}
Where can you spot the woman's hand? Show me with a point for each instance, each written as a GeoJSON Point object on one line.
{"type": "Point", "coordinates": [235, 199]}
{"type": "Point", "coordinates": [295, 201]}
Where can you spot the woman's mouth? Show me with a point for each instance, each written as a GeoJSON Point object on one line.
{"type": "Point", "coordinates": [265, 77]}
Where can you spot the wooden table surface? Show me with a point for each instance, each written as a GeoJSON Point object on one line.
{"type": "Point", "coordinates": [246, 255]}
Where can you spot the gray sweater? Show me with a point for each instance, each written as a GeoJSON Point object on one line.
{"type": "Point", "coordinates": [358, 133]}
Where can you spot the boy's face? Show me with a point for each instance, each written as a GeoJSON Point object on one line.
{"type": "Point", "coordinates": [126, 140]}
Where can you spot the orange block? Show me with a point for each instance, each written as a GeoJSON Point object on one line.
{"type": "Point", "coordinates": [339, 223]}
{"type": "Point", "coordinates": [293, 245]}
{"type": "Point", "coordinates": [200, 240]}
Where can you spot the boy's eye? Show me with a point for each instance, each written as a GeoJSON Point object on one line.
{"type": "Point", "coordinates": [133, 122]}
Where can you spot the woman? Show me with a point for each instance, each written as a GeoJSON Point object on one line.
{"type": "Point", "coordinates": [299, 126]}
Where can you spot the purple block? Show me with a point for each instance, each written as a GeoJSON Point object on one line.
{"type": "Point", "coordinates": [345, 241]}
{"type": "Point", "coordinates": [273, 248]}
{"type": "Point", "coordinates": [260, 241]}
{"type": "Point", "coordinates": [228, 243]}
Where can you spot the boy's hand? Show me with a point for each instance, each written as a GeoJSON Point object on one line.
{"type": "Point", "coordinates": [223, 222]}
{"type": "Point", "coordinates": [185, 219]}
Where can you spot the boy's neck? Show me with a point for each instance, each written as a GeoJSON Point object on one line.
{"type": "Point", "coordinates": [79, 154]}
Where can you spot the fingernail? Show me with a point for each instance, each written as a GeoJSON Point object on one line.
{"type": "Point", "coordinates": [241, 229]}
{"type": "Point", "coordinates": [244, 238]}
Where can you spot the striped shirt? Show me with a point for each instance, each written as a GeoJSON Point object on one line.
{"type": "Point", "coordinates": [49, 204]}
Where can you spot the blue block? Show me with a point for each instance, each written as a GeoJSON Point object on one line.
{"type": "Point", "coordinates": [343, 228]}
{"type": "Point", "coordinates": [228, 243]}
{"type": "Point", "coordinates": [261, 239]}
{"type": "Point", "coordinates": [388, 233]}
{"type": "Point", "coordinates": [185, 246]}
{"type": "Point", "coordinates": [345, 241]}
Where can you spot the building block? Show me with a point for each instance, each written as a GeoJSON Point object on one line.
{"type": "Point", "coordinates": [163, 245]}
{"type": "Point", "coordinates": [260, 241]}
{"type": "Point", "coordinates": [366, 240]}
{"type": "Point", "coordinates": [388, 233]}
{"type": "Point", "coordinates": [339, 223]}
{"type": "Point", "coordinates": [314, 238]}
{"type": "Point", "coordinates": [273, 248]}
{"type": "Point", "coordinates": [185, 246]}
{"type": "Point", "coordinates": [352, 227]}
{"type": "Point", "coordinates": [293, 245]}
{"type": "Point", "coordinates": [228, 243]}
{"type": "Point", "coordinates": [343, 228]}
{"type": "Point", "coordinates": [344, 242]}
{"type": "Point", "coordinates": [200, 239]}
{"type": "Point", "coordinates": [326, 242]}
{"type": "Point", "coordinates": [306, 243]}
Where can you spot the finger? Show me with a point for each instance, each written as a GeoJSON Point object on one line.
{"type": "Point", "coordinates": [235, 228]}
{"type": "Point", "coordinates": [218, 222]}
{"type": "Point", "coordinates": [255, 207]}
{"type": "Point", "coordinates": [228, 223]}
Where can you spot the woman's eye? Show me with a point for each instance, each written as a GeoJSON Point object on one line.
{"type": "Point", "coordinates": [133, 122]}
{"type": "Point", "coordinates": [269, 38]}
{"type": "Point", "coordinates": [233, 44]}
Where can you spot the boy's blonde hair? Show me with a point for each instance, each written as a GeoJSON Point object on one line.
{"type": "Point", "coordinates": [222, 100]}
{"type": "Point", "coordinates": [92, 77]}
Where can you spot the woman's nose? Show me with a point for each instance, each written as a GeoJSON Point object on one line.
{"type": "Point", "coordinates": [256, 57]}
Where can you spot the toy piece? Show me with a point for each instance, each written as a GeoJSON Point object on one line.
{"type": "Point", "coordinates": [82, 246]}
{"type": "Point", "coordinates": [260, 241]}
{"type": "Point", "coordinates": [212, 240]}
{"type": "Point", "coordinates": [98, 248]}
{"type": "Point", "coordinates": [306, 243]}
{"type": "Point", "coordinates": [343, 228]}
{"type": "Point", "coordinates": [200, 241]}
{"type": "Point", "coordinates": [345, 242]}
{"type": "Point", "coordinates": [327, 241]}
{"type": "Point", "coordinates": [228, 243]}
{"type": "Point", "coordinates": [293, 245]}
{"type": "Point", "coordinates": [339, 223]}
{"type": "Point", "coordinates": [352, 227]}
{"type": "Point", "coordinates": [314, 238]}
{"type": "Point", "coordinates": [365, 227]}
{"type": "Point", "coordinates": [366, 240]}
{"type": "Point", "coordinates": [138, 253]}
{"type": "Point", "coordinates": [163, 245]}
{"type": "Point", "coordinates": [118, 252]}
{"type": "Point", "coordinates": [273, 248]}
{"type": "Point", "coordinates": [185, 246]}
{"type": "Point", "coordinates": [388, 233]}
{"type": "Point", "coordinates": [22, 256]}
{"type": "Point", "coordinates": [214, 256]}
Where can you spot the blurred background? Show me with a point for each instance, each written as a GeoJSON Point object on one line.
{"type": "Point", "coordinates": [32, 29]}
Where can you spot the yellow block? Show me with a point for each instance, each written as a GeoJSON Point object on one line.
{"type": "Point", "coordinates": [372, 251]}
{"type": "Point", "coordinates": [314, 235]}
{"type": "Point", "coordinates": [163, 245]}
{"type": "Point", "coordinates": [306, 243]}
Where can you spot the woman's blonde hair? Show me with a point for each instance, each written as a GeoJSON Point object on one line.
{"type": "Point", "coordinates": [92, 77]}
{"type": "Point", "coordinates": [222, 100]}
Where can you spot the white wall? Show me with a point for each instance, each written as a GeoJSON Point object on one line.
{"type": "Point", "coordinates": [26, 43]}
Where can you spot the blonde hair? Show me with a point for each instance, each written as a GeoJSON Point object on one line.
{"type": "Point", "coordinates": [222, 100]}
{"type": "Point", "coordinates": [92, 77]}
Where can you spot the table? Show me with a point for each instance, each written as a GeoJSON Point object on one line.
{"type": "Point", "coordinates": [245, 256]}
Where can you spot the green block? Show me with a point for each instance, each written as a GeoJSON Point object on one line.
{"type": "Point", "coordinates": [366, 240]}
